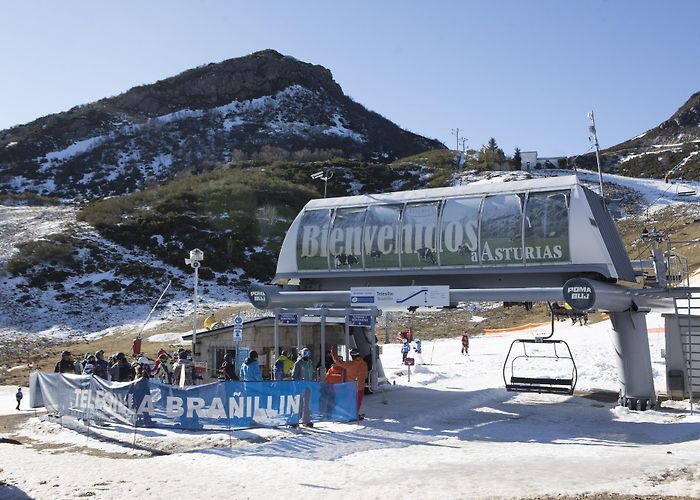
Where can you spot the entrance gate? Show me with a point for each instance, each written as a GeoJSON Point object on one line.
{"type": "Point", "coordinates": [356, 318]}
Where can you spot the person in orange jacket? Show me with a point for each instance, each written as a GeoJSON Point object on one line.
{"type": "Point", "coordinates": [335, 375]}
{"type": "Point", "coordinates": [354, 370]}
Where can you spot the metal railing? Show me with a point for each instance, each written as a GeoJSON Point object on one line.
{"type": "Point", "coordinates": [688, 317]}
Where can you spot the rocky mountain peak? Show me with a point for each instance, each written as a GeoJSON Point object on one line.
{"type": "Point", "coordinates": [244, 78]}
{"type": "Point", "coordinates": [687, 115]}
{"type": "Point", "coordinates": [264, 103]}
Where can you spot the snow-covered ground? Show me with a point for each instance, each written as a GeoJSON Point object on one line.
{"type": "Point", "coordinates": [656, 193]}
{"type": "Point", "coordinates": [23, 327]}
{"type": "Point", "coordinates": [451, 432]}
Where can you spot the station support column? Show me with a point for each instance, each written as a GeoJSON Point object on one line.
{"type": "Point", "coordinates": [373, 379]}
{"type": "Point", "coordinates": [631, 342]}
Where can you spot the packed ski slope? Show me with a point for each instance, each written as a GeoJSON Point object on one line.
{"type": "Point", "coordinates": [451, 432]}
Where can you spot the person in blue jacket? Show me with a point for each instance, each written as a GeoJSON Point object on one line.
{"type": "Point", "coordinates": [250, 370]}
{"type": "Point", "coordinates": [304, 367]}
{"type": "Point", "coordinates": [19, 396]}
{"type": "Point", "coordinates": [405, 349]}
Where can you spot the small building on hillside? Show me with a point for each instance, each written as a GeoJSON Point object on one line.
{"type": "Point", "coordinates": [259, 335]}
{"type": "Point", "coordinates": [530, 161]}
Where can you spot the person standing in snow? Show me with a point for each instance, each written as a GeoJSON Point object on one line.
{"type": "Point", "coordinates": [354, 370]}
{"type": "Point", "coordinates": [65, 365]}
{"type": "Point", "coordinates": [418, 348]}
{"type": "Point", "coordinates": [19, 396]}
{"type": "Point", "coordinates": [304, 367]}
{"type": "Point", "coordinates": [405, 349]}
{"type": "Point", "coordinates": [250, 370]}
{"type": "Point", "coordinates": [80, 363]}
{"type": "Point", "coordinates": [163, 367]}
{"type": "Point", "coordinates": [419, 351]}
{"type": "Point", "coordinates": [465, 343]}
{"type": "Point", "coordinates": [101, 366]}
{"type": "Point", "coordinates": [283, 366]}
{"type": "Point", "coordinates": [121, 371]}
{"type": "Point", "coordinates": [90, 366]}
{"type": "Point", "coordinates": [228, 368]}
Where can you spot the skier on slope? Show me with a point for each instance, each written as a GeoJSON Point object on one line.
{"type": "Point", "coordinates": [419, 352]}
{"type": "Point", "coordinates": [465, 343]}
{"type": "Point", "coordinates": [405, 349]}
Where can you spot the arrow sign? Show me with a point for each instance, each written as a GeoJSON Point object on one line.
{"type": "Point", "coordinates": [288, 318]}
{"type": "Point", "coordinates": [400, 296]}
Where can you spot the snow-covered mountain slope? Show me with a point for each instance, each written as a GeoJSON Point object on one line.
{"type": "Point", "coordinates": [262, 106]}
{"type": "Point", "coordinates": [115, 288]}
{"type": "Point", "coordinates": [671, 148]}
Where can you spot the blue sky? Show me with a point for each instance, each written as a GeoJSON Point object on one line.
{"type": "Point", "coordinates": [524, 72]}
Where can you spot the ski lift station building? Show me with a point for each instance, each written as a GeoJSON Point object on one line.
{"type": "Point", "coordinates": [546, 239]}
{"type": "Point", "coordinates": [541, 231]}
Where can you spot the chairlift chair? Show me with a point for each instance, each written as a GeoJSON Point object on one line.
{"type": "Point", "coordinates": [515, 381]}
{"type": "Point", "coordinates": [685, 190]}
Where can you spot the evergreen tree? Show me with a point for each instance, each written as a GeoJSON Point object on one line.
{"type": "Point", "coordinates": [517, 160]}
{"type": "Point", "coordinates": [492, 145]}
{"type": "Point", "coordinates": [491, 157]}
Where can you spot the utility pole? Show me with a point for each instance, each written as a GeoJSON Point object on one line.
{"type": "Point", "coordinates": [462, 160]}
{"type": "Point", "coordinates": [594, 135]}
{"type": "Point", "coordinates": [455, 132]}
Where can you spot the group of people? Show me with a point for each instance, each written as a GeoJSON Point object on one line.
{"type": "Point", "coordinates": [406, 349]}
{"type": "Point", "coordinates": [168, 367]}
{"type": "Point", "coordinates": [303, 368]}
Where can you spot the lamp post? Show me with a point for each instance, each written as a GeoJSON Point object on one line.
{"type": "Point", "coordinates": [324, 175]}
{"type": "Point", "coordinates": [196, 256]}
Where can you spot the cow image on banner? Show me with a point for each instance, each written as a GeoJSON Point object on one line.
{"type": "Point", "coordinates": [381, 236]}
{"type": "Point", "coordinates": [460, 232]}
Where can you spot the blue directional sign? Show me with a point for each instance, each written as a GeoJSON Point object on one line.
{"type": "Point", "coordinates": [288, 318]}
{"type": "Point", "coordinates": [237, 333]}
{"type": "Point", "coordinates": [360, 320]}
{"type": "Point", "coordinates": [238, 320]}
{"type": "Point", "coordinates": [241, 354]}
{"type": "Point", "coordinates": [400, 296]}
{"type": "Point", "coordinates": [362, 299]}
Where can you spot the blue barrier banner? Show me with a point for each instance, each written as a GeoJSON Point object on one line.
{"type": "Point", "coordinates": [222, 405]}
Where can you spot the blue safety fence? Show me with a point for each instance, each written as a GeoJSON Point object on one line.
{"type": "Point", "coordinates": [222, 405]}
